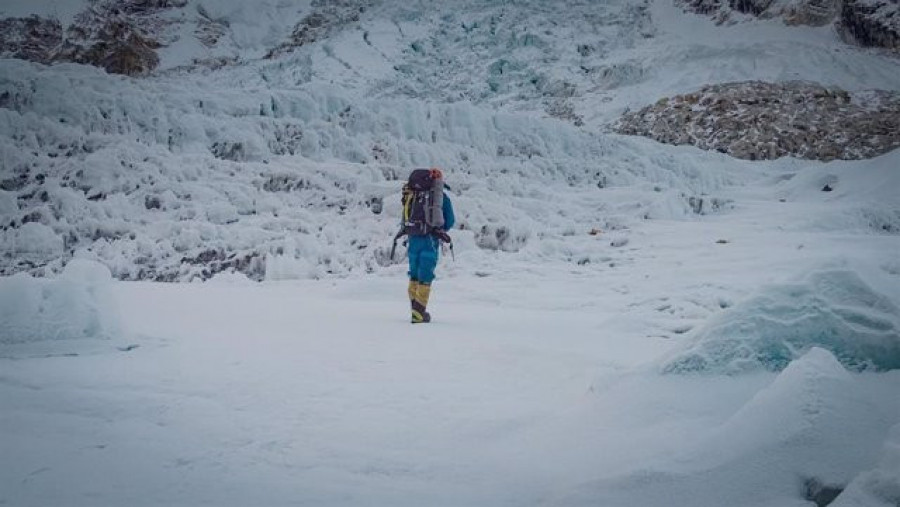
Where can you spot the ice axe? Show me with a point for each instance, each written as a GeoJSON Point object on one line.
{"type": "Point", "coordinates": [397, 237]}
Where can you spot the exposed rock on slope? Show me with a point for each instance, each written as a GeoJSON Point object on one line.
{"type": "Point", "coordinates": [756, 120]}
{"type": "Point", "coordinates": [120, 36]}
{"type": "Point", "coordinates": [873, 23]}
{"type": "Point", "coordinates": [32, 38]}
{"type": "Point", "coordinates": [794, 12]}
{"type": "Point", "coordinates": [327, 17]}
{"type": "Point", "coordinates": [123, 36]}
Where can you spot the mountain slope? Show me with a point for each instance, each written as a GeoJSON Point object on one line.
{"type": "Point", "coordinates": [285, 163]}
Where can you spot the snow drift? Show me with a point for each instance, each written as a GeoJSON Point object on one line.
{"type": "Point", "coordinates": [790, 434]}
{"type": "Point", "coordinates": [76, 306]}
{"type": "Point", "coordinates": [880, 486]}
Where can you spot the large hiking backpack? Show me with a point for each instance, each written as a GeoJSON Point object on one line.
{"type": "Point", "coordinates": [423, 202]}
{"type": "Point", "coordinates": [423, 207]}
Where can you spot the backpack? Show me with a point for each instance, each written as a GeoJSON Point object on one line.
{"type": "Point", "coordinates": [423, 202]}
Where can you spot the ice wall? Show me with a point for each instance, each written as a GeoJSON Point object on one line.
{"type": "Point", "coordinates": [177, 178]}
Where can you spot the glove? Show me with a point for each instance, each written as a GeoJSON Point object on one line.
{"type": "Point", "coordinates": [443, 236]}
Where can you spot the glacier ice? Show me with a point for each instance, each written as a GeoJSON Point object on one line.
{"type": "Point", "coordinates": [833, 309]}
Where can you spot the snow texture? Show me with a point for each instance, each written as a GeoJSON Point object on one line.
{"type": "Point", "coordinates": [176, 186]}
{"type": "Point", "coordinates": [794, 427]}
{"type": "Point", "coordinates": [880, 486]}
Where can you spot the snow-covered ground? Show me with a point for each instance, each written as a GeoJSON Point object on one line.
{"type": "Point", "coordinates": [624, 323]}
{"type": "Point", "coordinates": [541, 381]}
{"type": "Point", "coordinates": [537, 384]}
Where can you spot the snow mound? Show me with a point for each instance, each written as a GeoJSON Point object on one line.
{"type": "Point", "coordinates": [792, 433]}
{"type": "Point", "coordinates": [799, 423]}
{"type": "Point", "coordinates": [811, 391]}
{"type": "Point", "coordinates": [76, 306]}
{"type": "Point", "coordinates": [31, 241]}
{"type": "Point", "coordinates": [879, 487]}
{"type": "Point", "coordinates": [829, 308]}
{"type": "Point", "coordinates": [852, 197]}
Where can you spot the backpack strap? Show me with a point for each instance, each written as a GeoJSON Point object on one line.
{"type": "Point", "coordinates": [406, 200]}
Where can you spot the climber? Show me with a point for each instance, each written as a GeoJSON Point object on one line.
{"type": "Point", "coordinates": [427, 216]}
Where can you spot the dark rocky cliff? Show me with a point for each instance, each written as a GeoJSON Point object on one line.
{"type": "Point", "coordinates": [870, 23]}
{"type": "Point", "coordinates": [120, 36]}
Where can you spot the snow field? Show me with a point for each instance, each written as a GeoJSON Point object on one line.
{"type": "Point", "coordinates": [539, 383]}
{"type": "Point", "coordinates": [528, 389]}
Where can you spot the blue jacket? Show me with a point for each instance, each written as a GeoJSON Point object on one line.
{"type": "Point", "coordinates": [449, 217]}
{"type": "Point", "coordinates": [423, 251]}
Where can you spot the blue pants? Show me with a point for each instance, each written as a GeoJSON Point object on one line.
{"type": "Point", "coordinates": [423, 257]}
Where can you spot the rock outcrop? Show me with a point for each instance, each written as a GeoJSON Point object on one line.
{"type": "Point", "coordinates": [870, 23]}
{"type": "Point", "coordinates": [120, 36]}
{"type": "Point", "coordinates": [327, 17]}
{"type": "Point", "coordinates": [32, 38]}
{"type": "Point", "coordinates": [757, 121]}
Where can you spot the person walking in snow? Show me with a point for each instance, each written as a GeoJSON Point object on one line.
{"type": "Point", "coordinates": [427, 216]}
